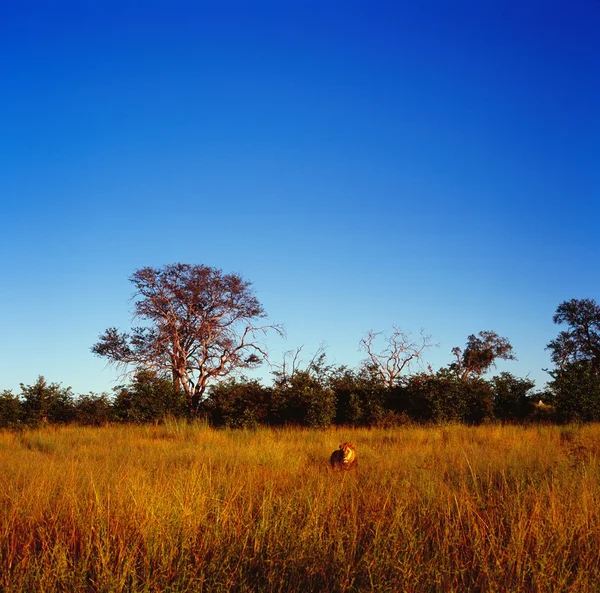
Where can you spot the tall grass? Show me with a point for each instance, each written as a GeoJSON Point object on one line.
{"type": "Point", "coordinates": [179, 507]}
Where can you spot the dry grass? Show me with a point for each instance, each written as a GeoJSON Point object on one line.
{"type": "Point", "coordinates": [186, 508]}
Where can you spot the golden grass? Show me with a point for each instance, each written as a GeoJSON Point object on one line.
{"type": "Point", "coordinates": [180, 507]}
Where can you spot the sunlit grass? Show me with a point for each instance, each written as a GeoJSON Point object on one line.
{"type": "Point", "coordinates": [180, 507]}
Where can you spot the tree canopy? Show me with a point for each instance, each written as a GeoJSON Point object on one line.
{"type": "Point", "coordinates": [481, 353]}
{"type": "Point", "coordinates": [581, 341]}
{"type": "Point", "coordinates": [199, 324]}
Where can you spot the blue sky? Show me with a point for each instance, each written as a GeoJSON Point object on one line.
{"type": "Point", "coordinates": [428, 164]}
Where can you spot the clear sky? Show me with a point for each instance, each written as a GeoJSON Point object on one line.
{"type": "Point", "coordinates": [429, 164]}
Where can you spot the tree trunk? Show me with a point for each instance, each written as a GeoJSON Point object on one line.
{"type": "Point", "coordinates": [177, 386]}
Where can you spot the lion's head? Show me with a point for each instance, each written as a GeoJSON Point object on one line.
{"type": "Point", "coordinates": [344, 457]}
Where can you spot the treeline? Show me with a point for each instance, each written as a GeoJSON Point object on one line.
{"type": "Point", "coordinates": [147, 398]}
{"type": "Point", "coordinates": [318, 396]}
{"type": "Point", "coordinates": [200, 329]}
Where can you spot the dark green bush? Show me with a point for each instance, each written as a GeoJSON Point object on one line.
{"type": "Point", "coordinates": [47, 403]}
{"type": "Point", "coordinates": [577, 392]}
{"type": "Point", "coordinates": [360, 398]}
{"type": "Point", "coordinates": [11, 410]}
{"type": "Point", "coordinates": [148, 398]}
{"type": "Point", "coordinates": [94, 409]}
{"type": "Point", "coordinates": [444, 397]}
{"type": "Point", "coordinates": [238, 403]}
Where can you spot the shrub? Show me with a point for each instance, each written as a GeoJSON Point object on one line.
{"type": "Point", "coordinates": [238, 403]}
{"type": "Point", "coordinates": [444, 397]}
{"type": "Point", "coordinates": [47, 403]}
{"type": "Point", "coordinates": [148, 398]}
{"type": "Point", "coordinates": [11, 411]}
{"type": "Point", "coordinates": [359, 397]}
{"type": "Point", "coordinates": [512, 401]}
{"type": "Point", "coordinates": [303, 400]}
{"type": "Point", "coordinates": [93, 409]}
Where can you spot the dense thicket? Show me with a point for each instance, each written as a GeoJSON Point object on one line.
{"type": "Point", "coordinates": [338, 396]}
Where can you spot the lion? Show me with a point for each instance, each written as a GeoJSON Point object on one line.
{"type": "Point", "coordinates": [344, 457]}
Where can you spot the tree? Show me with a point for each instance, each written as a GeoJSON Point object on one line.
{"type": "Point", "coordinates": [11, 410]}
{"type": "Point", "coordinates": [199, 325]}
{"type": "Point", "coordinates": [576, 389]}
{"type": "Point", "coordinates": [480, 354]}
{"type": "Point", "coordinates": [397, 353]}
{"type": "Point", "coordinates": [581, 342]}
{"type": "Point", "coordinates": [512, 401]}
{"type": "Point", "coordinates": [43, 402]}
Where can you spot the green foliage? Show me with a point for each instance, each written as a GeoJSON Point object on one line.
{"type": "Point", "coordinates": [512, 401]}
{"type": "Point", "coordinates": [375, 394]}
{"type": "Point", "coordinates": [581, 341]}
{"type": "Point", "coordinates": [303, 400]}
{"type": "Point", "coordinates": [443, 397]}
{"type": "Point", "coordinates": [360, 397]}
{"type": "Point", "coordinates": [148, 398]}
{"type": "Point", "coordinates": [47, 403]}
{"type": "Point", "coordinates": [238, 403]}
{"type": "Point", "coordinates": [577, 392]}
{"type": "Point", "coordinates": [479, 401]}
{"type": "Point", "coordinates": [430, 398]}
{"type": "Point", "coordinates": [304, 397]}
{"type": "Point", "coordinates": [480, 354]}
{"type": "Point", "coordinates": [11, 410]}
{"type": "Point", "coordinates": [93, 409]}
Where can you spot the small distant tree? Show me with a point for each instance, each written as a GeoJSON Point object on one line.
{"type": "Point", "coordinates": [47, 402]}
{"type": "Point", "coordinates": [480, 354]}
{"type": "Point", "coordinates": [11, 410]}
{"type": "Point", "coordinates": [199, 325]}
{"type": "Point", "coordinates": [581, 341]}
{"type": "Point", "coordinates": [389, 355]}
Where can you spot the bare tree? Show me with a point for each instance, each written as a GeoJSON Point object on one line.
{"type": "Point", "coordinates": [291, 365]}
{"type": "Point", "coordinates": [481, 353]}
{"type": "Point", "coordinates": [200, 324]}
{"type": "Point", "coordinates": [399, 351]}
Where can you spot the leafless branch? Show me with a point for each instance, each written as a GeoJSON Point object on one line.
{"type": "Point", "coordinates": [398, 352]}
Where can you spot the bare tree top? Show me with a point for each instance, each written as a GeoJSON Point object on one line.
{"type": "Point", "coordinates": [396, 354]}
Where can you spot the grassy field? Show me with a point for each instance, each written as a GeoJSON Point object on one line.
{"type": "Point", "coordinates": [181, 507]}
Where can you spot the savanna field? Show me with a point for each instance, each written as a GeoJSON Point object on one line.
{"type": "Point", "coordinates": [183, 507]}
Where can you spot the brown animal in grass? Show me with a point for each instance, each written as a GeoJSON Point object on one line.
{"type": "Point", "coordinates": [344, 457]}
